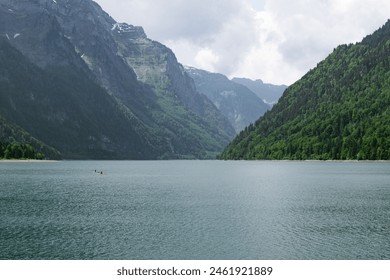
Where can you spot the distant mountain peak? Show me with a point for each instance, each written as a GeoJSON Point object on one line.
{"type": "Point", "coordinates": [129, 30]}
{"type": "Point", "coordinates": [269, 93]}
{"type": "Point", "coordinates": [260, 81]}
{"type": "Point", "coordinates": [239, 104]}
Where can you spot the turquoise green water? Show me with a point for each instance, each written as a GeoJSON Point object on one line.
{"type": "Point", "coordinates": [194, 210]}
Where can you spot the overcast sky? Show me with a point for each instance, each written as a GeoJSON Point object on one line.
{"type": "Point", "coordinates": [277, 41]}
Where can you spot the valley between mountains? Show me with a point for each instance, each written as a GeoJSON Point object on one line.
{"type": "Point", "coordinates": [76, 84]}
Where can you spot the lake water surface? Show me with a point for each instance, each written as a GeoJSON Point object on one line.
{"type": "Point", "coordinates": [194, 210]}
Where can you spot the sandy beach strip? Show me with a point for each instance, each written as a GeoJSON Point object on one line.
{"type": "Point", "coordinates": [26, 160]}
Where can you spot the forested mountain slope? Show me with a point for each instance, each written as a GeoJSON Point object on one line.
{"type": "Point", "coordinates": [339, 110]}
{"type": "Point", "coordinates": [11, 134]}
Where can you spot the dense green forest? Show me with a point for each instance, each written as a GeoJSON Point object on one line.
{"type": "Point", "coordinates": [340, 110]}
{"type": "Point", "coordinates": [12, 134]}
{"type": "Point", "coordinates": [19, 151]}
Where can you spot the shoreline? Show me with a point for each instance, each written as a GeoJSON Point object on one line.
{"type": "Point", "coordinates": [26, 160]}
{"type": "Point", "coordinates": [351, 160]}
{"type": "Point", "coordinates": [254, 160]}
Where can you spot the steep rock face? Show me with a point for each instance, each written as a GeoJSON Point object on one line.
{"type": "Point", "coordinates": [36, 33]}
{"type": "Point", "coordinates": [269, 93]}
{"type": "Point", "coordinates": [156, 66]}
{"type": "Point", "coordinates": [161, 106]}
{"type": "Point", "coordinates": [339, 110]}
{"type": "Point", "coordinates": [240, 105]}
{"type": "Point", "coordinates": [65, 109]}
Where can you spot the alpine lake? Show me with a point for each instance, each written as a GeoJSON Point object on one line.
{"type": "Point", "coordinates": [202, 210]}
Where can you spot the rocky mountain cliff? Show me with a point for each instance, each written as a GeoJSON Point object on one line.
{"type": "Point", "coordinates": [121, 94]}
{"type": "Point", "coordinates": [238, 103]}
{"type": "Point", "coordinates": [64, 108]}
{"type": "Point", "coordinates": [339, 110]}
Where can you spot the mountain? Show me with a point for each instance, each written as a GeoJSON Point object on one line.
{"type": "Point", "coordinates": [95, 88]}
{"type": "Point", "coordinates": [239, 104]}
{"type": "Point", "coordinates": [11, 133]}
{"type": "Point", "coordinates": [64, 108]}
{"type": "Point", "coordinates": [339, 110]}
{"type": "Point", "coordinates": [269, 93]}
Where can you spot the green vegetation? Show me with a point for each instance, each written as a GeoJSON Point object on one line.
{"type": "Point", "coordinates": [13, 134]}
{"type": "Point", "coordinates": [340, 110]}
{"type": "Point", "coordinates": [19, 151]}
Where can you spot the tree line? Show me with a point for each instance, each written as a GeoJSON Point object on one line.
{"type": "Point", "coordinates": [19, 151]}
{"type": "Point", "coordinates": [340, 110]}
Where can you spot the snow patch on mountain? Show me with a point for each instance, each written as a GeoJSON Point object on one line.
{"type": "Point", "coordinates": [122, 27]}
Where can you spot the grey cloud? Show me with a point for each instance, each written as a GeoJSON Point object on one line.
{"type": "Point", "coordinates": [226, 27]}
{"type": "Point", "coordinates": [277, 39]}
{"type": "Point", "coordinates": [176, 19]}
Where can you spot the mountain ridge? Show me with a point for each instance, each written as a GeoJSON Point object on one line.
{"type": "Point", "coordinates": [269, 93]}
{"type": "Point", "coordinates": [338, 110]}
{"type": "Point", "coordinates": [238, 103]}
{"type": "Point", "coordinates": [162, 110]}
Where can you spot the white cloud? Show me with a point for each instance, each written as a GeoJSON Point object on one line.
{"type": "Point", "coordinates": [310, 30]}
{"type": "Point", "coordinates": [175, 19]}
{"type": "Point", "coordinates": [206, 59]}
{"type": "Point", "coordinates": [275, 40]}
